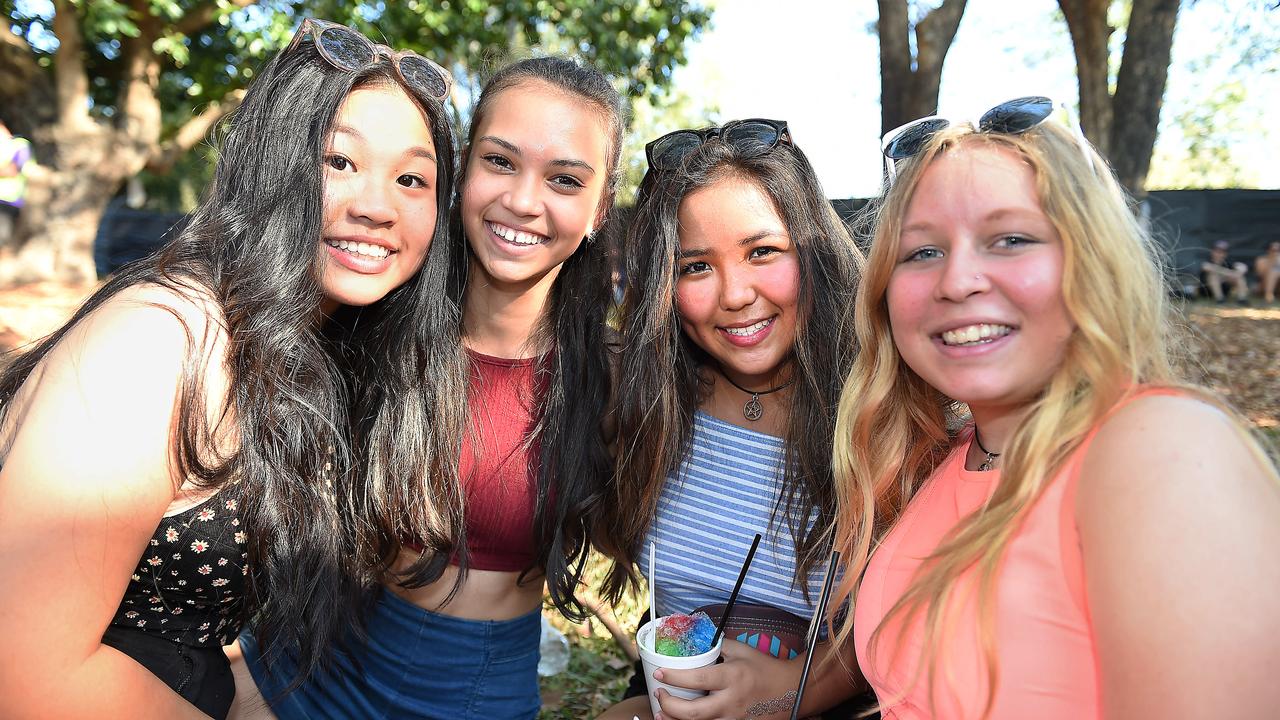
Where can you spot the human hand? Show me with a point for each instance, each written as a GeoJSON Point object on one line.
{"type": "Point", "coordinates": [748, 684]}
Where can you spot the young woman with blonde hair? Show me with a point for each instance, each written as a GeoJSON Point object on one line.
{"type": "Point", "coordinates": [1097, 539]}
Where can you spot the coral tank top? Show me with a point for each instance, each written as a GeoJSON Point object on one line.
{"type": "Point", "coordinates": [1044, 649]}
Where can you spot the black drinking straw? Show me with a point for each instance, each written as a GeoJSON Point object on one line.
{"type": "Point", "coordinates": [733, 597]}
{"type": "Point", "coordinates": [812, 636]}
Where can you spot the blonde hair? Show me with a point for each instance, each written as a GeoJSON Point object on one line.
{"type": "Point", "coordinates": [892, 428]}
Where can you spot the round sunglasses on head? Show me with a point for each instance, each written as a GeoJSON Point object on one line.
{"type": "Point", "coordinates": [1011, 117]}
{"type": "Point", "coordinates": [752, 137]}
{"type": "Point", "coordinates": [348, 50]}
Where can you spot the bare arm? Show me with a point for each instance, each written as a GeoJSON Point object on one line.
{"type": "Point", "coordinates": [1180, 523]}
{"type": "Point", "coordinates": [85, 483]}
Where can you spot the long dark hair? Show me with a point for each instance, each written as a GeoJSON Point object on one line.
{"type": "Point", "coordinates": [252, 246]}
{"type": "Point", "coordinates": [573, 377]}
{"type": "Point", "coordinates": [663, 370]}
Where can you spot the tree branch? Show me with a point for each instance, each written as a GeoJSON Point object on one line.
{"type": "Point", "coordinates": [934, 34]}
{"type": "Point", "coordinates": [191, 133]}
{"type": "Point", "coordinates": [1144, 72]}
{"type": "Point", "coordinates": [895, 63]}
{"type": "Point", "coordinates": [71, 80]}
{"type": "Point", "coordinates": [1090, 36]}
{"type": "Point", "coordinates": [19, 61]}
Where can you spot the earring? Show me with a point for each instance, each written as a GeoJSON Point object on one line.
{"type": "Point", "coordinates": [590, 237]}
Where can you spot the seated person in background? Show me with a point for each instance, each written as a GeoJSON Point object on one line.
{"type": "Point", "coordinates": [1218, 269]}
{"type": "Point", "coordinates": [1267, 266]}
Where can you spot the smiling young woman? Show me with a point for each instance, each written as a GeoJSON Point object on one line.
{"type": "Point", "coordinates": [207, 392]}
{"type": "Point", "coordinates": [736, 337]}
{"type": "Point", "coordinates": [482, 502]}
{"type": "Point", "coordinates": [1087, 543]}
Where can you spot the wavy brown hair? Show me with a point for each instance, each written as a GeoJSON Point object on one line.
{"type": "Point", "coordinates": [661, 381]}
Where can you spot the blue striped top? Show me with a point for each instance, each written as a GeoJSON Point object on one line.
{"type": "Point", "coordinates": [724, 493]}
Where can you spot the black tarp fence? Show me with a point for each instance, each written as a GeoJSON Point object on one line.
{"type": "Point", "coordinates": [1188, 222]}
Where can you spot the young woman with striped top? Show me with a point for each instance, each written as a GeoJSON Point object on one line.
{"type": "Point", "coordinates": [735, 336]}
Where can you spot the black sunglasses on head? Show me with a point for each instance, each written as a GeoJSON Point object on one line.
{"type": "Point", "coordinates": [752, 137]}
{"type": "Point", "coordinates": [348, 50]}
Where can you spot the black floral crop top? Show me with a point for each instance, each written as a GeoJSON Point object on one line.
{"type": "Point", "coordinates": [189, 586]}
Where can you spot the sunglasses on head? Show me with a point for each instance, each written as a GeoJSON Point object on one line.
{"type": "Point", "coordinates": [753, 138]}
{"type": "Point", "coordinates": [1012, 117]}
{"type": "Point", "coordinates": [348, 50]}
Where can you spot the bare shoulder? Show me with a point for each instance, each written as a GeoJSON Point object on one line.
{"type": "Point", "coordinates": [160, 310]}
{"type": "Point", "coordinates": [147, 328]}
{"type": "Point", "coordinates": [1177, 449]}
{"type": "Point", "coordinates": [135, 346]}
{"type": "Point", "coordinates": [1178, 514]}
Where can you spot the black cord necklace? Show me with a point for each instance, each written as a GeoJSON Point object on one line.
{"type": "Point", "coordinates": [753, 410]}
{"type": "Point", "coordinates": [991, 456]}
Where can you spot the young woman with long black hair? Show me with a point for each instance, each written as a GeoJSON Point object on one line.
{"type": "Point", "coordinates": [171, 454]}
{"type": "Point", "coordinates": [486, 496]}
{"type": "Point", "coordinates": [736, 339]}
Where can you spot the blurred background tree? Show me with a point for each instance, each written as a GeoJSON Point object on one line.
{"type": "Point", "coordinates": [109, 89]}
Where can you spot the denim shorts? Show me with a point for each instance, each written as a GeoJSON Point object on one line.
{"type": "Point", "coordinates": [417, 664]}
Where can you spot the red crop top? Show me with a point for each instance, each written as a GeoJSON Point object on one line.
{"type": "Point", "coordinates": [499, 464]}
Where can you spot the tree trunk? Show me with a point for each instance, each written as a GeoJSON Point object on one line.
{"type": "Point", "coordinates": [907, 94]}
{"type": "Point", "coordinates": [895, 63]}
{"type": "Point", "coordinates": [934, 34]}
{"type": "Point", "coordinates": [84, 162]}
{"type": "Point", "coordinates": [1090, 35]}
{"type": "Point", "coordinates": [63, 206]}
{"type": "Point", "coordinates": [1144, 71]}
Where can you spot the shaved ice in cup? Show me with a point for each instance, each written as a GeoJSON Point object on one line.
{"type": "Point", "coordinates": [681, 635]}
{"type": "Point", "coordinates": [686, 633]}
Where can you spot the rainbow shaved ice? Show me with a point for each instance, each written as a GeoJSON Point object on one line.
{"type": "Point", "coordinates": [681, 635]}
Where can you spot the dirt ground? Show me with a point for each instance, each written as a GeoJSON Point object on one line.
{"type": "Point", "coordinates": [1234, 350]}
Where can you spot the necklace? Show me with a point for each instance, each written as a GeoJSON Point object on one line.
{"type": "Point", "coordinates": [752, 409]}
{"type": "Point", "coordinates": [991, 456]}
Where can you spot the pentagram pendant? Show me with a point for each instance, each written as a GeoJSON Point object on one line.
{"type": "Point", "coordinates": [753, 410]}
{"type": "Point", "coordinates": [989, 462]}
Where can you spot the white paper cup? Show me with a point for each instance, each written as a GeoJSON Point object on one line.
{"type": "Point", "coordinates": [652, 661]}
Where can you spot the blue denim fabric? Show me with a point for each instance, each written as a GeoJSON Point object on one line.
{"type": "Point", "coordinates": [417, 664]}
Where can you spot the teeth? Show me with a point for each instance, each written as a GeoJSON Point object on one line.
{"type": "Point", "coordinates": [975, 334]}
{"type": "Point", "coordinates": [514, 236]}
{"type": "Point", "coordinates": [750, 329]}
{"type": "Point", "coordinates": [366, 249]}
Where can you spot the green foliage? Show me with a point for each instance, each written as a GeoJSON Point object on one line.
{"type": "Point", "coordinates": [598, 670]}
{"type": "Point", "coordinates": [639, 42]}
{"type": "Point", "coordinates": [597, 676]}
{"type": "Point", "coordinates": [1208, 130]}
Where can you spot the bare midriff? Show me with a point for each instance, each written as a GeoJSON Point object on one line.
{"type": "Point", "coordinates": [483, 595]}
